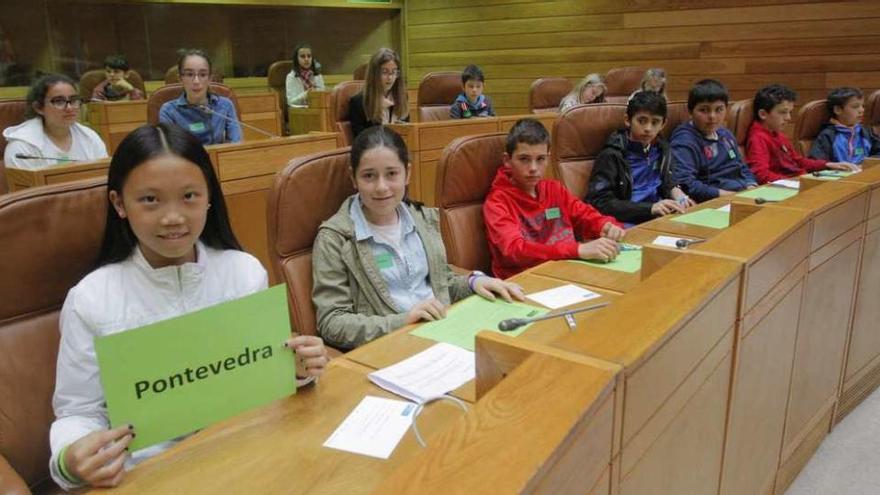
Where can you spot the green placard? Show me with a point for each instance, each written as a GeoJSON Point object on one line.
{"type": "Point", "coordinates": [629, 261]}
{"type": "Point", "coordinates": [179, 375]}
{"type": "Point", "coordinates": [552, 213]}
{"type": "Point", "coordinates": [770, 193]}
{"type": "Point", "coordinates": [468, 317]}
{"type": "Point", "coordinates": [829, 174]}
{"type": "Point", "coordinates": [708, 217]}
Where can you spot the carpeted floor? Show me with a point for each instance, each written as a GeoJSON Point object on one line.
{"type": "Point", "coordinates": [848, 461]}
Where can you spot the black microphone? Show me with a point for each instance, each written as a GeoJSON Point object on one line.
{"type": "Point", "coordinates": [206, 109]}
{"type": "Point", "coordinates": [514, 323]}
{"type": "Point", "coordinates": [22, 156]}
{"type": "Point", "coordinates": [760, 201]}
{"type": "Point", "coordinates": [683, 243]}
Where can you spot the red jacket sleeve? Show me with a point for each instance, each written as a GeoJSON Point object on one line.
{"type": "Point", "coordinates": [505, 235]}
{"type": "Point", "coordinates": [808, 164]}
{"type": "Point", "coordinates": [758, 158]}
{"type": "Point", "coordinates": [586, 220]}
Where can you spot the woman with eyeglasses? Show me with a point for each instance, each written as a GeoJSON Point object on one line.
{"type": "Point", "coordinates": [383, 99]}
{"type": "Point", "coordinates": [51, 135]}
{"type": "Point", "coordinates": [209, 117]}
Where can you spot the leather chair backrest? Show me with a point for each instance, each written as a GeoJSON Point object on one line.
{"type": "Point", "coordinates": [465, 172]}
{"type": "Point", "coordinates": [546, 93]}
{"type": "Point", "coordinates": [308, 191]}
{"type": "Point", "coordinates": [172, 76]}
{"type": "Point", "coordinates": [339, 99]}
{"type": "Point", "coordinates": [436, 93]}
{"type": "Point", "coordinates": [872, 111]}
{"type": "Point", "coordinates": [277, 80]}
{"type": "Point", "coordinates": [360, 73]}
{"type": "Point", "coordinates": [92, 78]}
{"type": "Point", "coordinates": [172, 91]}
{"type": "Point", "coordinates": [11, 113]}
{"type": "Point", "coordinates": [676, 114]}
{"type": "Point", "coordinates": [579, 134]}
{"type": "Point", "coordinates": [810, 119]}
{"type": "Point", "coordinates": [622, 81]}
{"type": "Point", "coordinates": [51, 238]}
{"type": "Point", "coordinates": [739, 119]}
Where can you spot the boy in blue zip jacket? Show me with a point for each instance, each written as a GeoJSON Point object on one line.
{"type": "Point", "coordinates": [471, 102]}
{"type": "Point", "coordinates": [844, 138]}
{"type": "Point", "coordinates": [631, 179]}
{"type": "Point", "coordinates": [708, 163]}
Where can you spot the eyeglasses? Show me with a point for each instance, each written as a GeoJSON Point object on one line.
{"type": "Point", "coordinates": [390, 73]}
{"type": "Point", "coordinates": [61, 102]}
{"type": "Point", "coordinates": [188, 74]}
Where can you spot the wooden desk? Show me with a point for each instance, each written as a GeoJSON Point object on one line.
{"type": "Point", "coordinates": [315, 117]}
{"type": "Point", "coordinates": [20, 179]}
{"type": "Point", "coordinates": [426, 141]}
{"type": "Point", "coordinates": [666, 225]}
{"type": "Point", "coordinates": [113, 120]}
{"type": "Point", "coordinates": [259, 109]}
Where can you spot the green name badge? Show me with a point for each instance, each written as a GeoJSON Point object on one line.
{"type": "Point", "coordinates": [179, 375]}
{"type": "Point", "coordinates": [197, 127]}
{"type": "Point", "coordinates": [385, 261]}
{"type": "Point", "coordinates": [731, 154]}
{"type": "Point", "coordinates": [552, 213]}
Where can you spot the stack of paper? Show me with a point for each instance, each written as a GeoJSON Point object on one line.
{"type": "Point", "coordinates": [374, 428]}
{"type": "Point", "coordinates": [789, 183]}
{"type": "Point", "coordinates": [428, 374]}
{"type": "Point", "coordinates": [564, 295]}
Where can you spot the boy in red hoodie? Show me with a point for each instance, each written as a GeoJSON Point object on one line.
{"type": "Point", "coordinates": [769, 153]}
{"type": "Point", "coordinates": [530, 219]}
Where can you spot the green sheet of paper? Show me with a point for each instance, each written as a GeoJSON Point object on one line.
{"type": "Point", "coordinates": [179, 375]}
{"type": "Point", "coordinates": [830, 174]}
{"type": "Point", "coordinates": [465, 319]}
{"type": "Point", "coordinates": [626, 261]}
{"type": "Point", "coordinates": [708, 217]}
{"type": "Point", "coordinates": [770, 193]}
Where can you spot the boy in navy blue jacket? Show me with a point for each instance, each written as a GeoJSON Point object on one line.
{"type": "Point", "coordinates": [844, 138]}
{"type": "Point", "coordinates": [708, 163]}
{"type": "Point", "coordinates": [471, 102]}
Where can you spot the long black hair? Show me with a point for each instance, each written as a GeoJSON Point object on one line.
{"type": "Point", "coordinates": [316, 66]}
{"type": "Point", "coordinates": [142, 144]}
{"type": "Point", "coordinates": [381, 136]}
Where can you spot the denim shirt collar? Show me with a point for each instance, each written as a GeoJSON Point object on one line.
{"type": "Point", "coordinates": [181, 100]}
{"type": "Point", "coordinates": [362, 229]}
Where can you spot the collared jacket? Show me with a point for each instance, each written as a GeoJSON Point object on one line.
{"type": "Point", "coordinates": [29, 138]}
{"type": "Point", "coordinates": [357, 116]}
{"type": "Point", "coordinates": [463, 108]}
{"type": "Point", "coordinates": [840, 143]}
{"type": "Point", "coordinates": [771, 156]}
{"type": "Point", "coordinates": [123, 296]}
{"type": "Point", "coordinates": [703, 165]}
{"type": "Point", "coordinates": [611, 181]}
{"type": "Point", "coordinates": [352, 300]}
{"type": "Point", "coordinates": [219, 126]}
{"type": "Point", "coordinates": [295, 90]}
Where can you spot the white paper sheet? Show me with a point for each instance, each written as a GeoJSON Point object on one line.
{"type": "Point", "coordinates": [374, 427]}
{"type": "Point", "coordinates": [432, 372]}
{"type": "Point", "coordinates": [666, 241]}
{"type": "Point", "coordinates": [725, 208]}
{"type": "Point", "coordinates": [789, 183]}
{"type": "Point", "coordinates": [564, 295]}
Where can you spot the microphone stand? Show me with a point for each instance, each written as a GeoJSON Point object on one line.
{"type": "Point", "coordinates": [514, 323]}
{"type": "Point", "coordinates": [206, 109]}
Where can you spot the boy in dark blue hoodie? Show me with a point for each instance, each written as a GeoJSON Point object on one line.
{"type": "Point", "coordinates": [471, 102]}
{"type": "Point", "coordinates": [844, 138]}
{"type": "Point", "coordinates": [708, 163]}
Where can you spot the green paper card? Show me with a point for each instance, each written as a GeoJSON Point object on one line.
{"type": "Point", "coordinates": [629, 261]}
{"type": "Point", "coordinates": [770, 193]}
{"type": "Point", "coordinates": [709, 217]}
{"type": "Point", "coordinates": [179, 375]}
{"type": "Point", "coordinates": [197, 127]}
{"type": "Point", "coordinates": [552, 213]}
{"type": "Point", "coordinates": [829, 174]}
{"type": "Point", "coordinates": [385, 260]}
{"type": "Point", "coordinates": [471, 315]}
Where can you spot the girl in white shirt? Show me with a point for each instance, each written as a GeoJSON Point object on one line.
{"type": "Point", "coordinates": [303, 77]}
{"type": "Point", "coordinates": [168, 249]}
{"type": "Point", "coordinates": [51, 136]}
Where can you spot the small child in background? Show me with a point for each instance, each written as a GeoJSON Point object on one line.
{"type": "Point", "coordinates": [591, 89]}
{"type": "Point", "coordinates": [115, 87]}
{"type": "Point", "coordinates": [843, 138]}
{"type": "Point", "coordinates": [652, 80]}
{"type": "Point", "coordinates": [471, 102]}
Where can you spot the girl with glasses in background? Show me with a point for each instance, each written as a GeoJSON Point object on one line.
{"type": "Point", "coordinates": [383, 99]}
{"type": "Point", "coordinates": [51, 135]}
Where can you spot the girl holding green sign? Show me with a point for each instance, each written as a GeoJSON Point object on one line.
{"type": "Point", "coordinates": [379, 263]}
{"type": "Point", "coordinates": [168, 250]}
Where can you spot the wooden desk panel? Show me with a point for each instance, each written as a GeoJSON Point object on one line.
{"type": "Point", "coordinates": [665, 224]}
{"type": "Point", "coordinates": [259, 109]}
{"type": "Point", "coordinates": [19, 179]}
{"type": "Point", "coordinates": [314, 118]}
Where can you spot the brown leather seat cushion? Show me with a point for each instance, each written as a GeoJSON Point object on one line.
{"type": "Point", "coordinates": [437, 91]}
{"type": "Point", "coordinates": [546, 93]}
{"type": "Point", "coordinates": [622, 81]}
{"type": "Point", "coordinates": [810, 119]}
{"type": "Point", "coordinates": [676, 114]}
{"type": "Point", "coordinates": [339, 99]}
{"type": "Point", "coordinates": [872, 111]}
{"type": "Point", "coordinates": [739, 119]}
{"type": "Point", "coordinates": [579, 134]}
{"type": "Point", "coordinates": [172, 91]}
{"type": "Point", "coordinates": [277, 80]}
{"type": "Point", "coordinates": [92, 78]}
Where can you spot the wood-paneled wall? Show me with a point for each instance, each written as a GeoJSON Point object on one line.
{"type": "Point", "coordinates": [809, 45]}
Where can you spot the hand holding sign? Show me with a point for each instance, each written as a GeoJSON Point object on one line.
{"type": "Point", "coordinates": [311, 355]}
{"type": "Point", "coordinates": [99, 457]}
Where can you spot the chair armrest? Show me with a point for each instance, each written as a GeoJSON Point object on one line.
{"type": "Point", "coordinates": [10, 482]}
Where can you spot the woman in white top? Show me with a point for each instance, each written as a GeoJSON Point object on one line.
{"type": "Point", "coordinates": [303, 77]}
{"type": "Point", "coordinates": [590, 89]}
{"type": "Point", "coordinates": [52, 136]}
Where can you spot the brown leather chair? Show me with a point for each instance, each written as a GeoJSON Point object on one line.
{"type": "Point", "coordinates": [277, 79]}
{"type": "Point", "coordinates": [872, 111]}
{"type": "Point", "coordinates": [12, 112]}
{"type": "Point", "coordinates": [92, 78]}
{"type": "Point", "coordinates": [360, 73]}
{"type": "Point", "coordinates": [810, 119]}
{"type": "Point", "coordinates": [436, 93]}
{"type": "Point", "coordinates": [739, 119]}
{"type": "Point", "coordinates": [308, 191]}
{"type": "Point", "coordinates": [172, 91]}
{"type": "Point", "coordinates": [172, 76]}
{"type": "Point", "coordinates": [51, 236]}
{"type": "Point", "coordinates": [339, 98]}
{"type": "Point", "coordinates": [622, 81]}
{"type": "Point", "coordinates": [579, 134]}
{"type": "Point", "coordinates": [546, 93]}
{"type": "Point", "coordinates": [676, 114]}
{"type": "Point", "coordinates": [465, 172]}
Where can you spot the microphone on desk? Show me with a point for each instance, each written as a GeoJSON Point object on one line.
{"type": "Point", "coordinates": [206, 109]}
{"type": "Point", "coordinates": [683, 243]}
{"type": "Point", "coordinates": [514, 323]}
{"type": "Point", "coordinates": [22, 156]}
{"type": "Point", "coordinates": [760, 201]}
